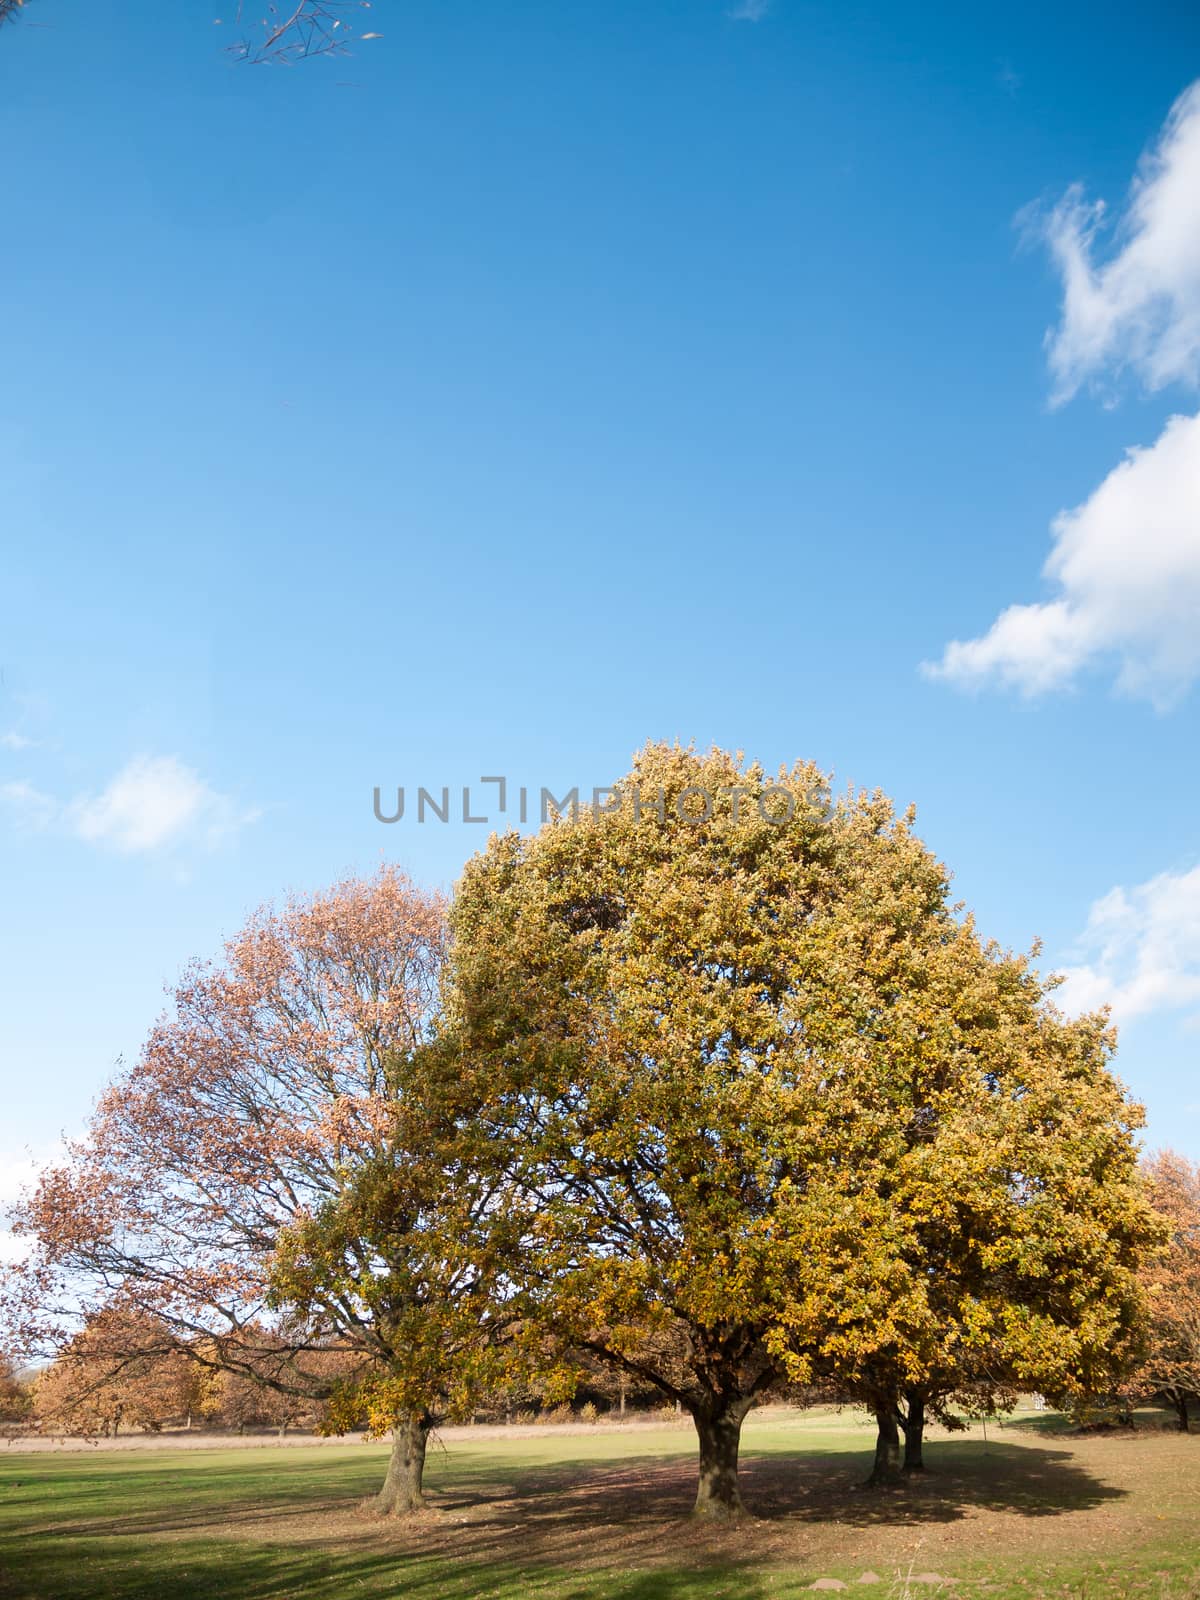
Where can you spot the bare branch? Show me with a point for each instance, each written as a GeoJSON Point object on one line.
{"type": "Point", "coordinates": [299, 30]}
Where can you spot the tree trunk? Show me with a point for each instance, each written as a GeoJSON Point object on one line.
{"type": "Point", "coordinates": [1181, 1409]}
{"type": "Point", "coordinates": [913, 1424]}
{"type": "Point", "coordinates": [720, 1431]}
{"type": "Point", "coordinates": [402, 1488]}
{"type": "Point", "coordinates": [887, 1444]}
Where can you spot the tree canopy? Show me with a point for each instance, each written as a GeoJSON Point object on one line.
{"type": "Point", "coordinates": [778, 1104]}
{"type": "Point", "coordinates": [1171, 1363]}
{"type": "Point", "coordinates": [281, 1157]}
{"type": "Point", "coordinates": [121, 1368]}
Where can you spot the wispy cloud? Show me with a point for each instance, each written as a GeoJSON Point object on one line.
{"type": "Point", "coordinates": [750, 10]}
{"type": "Point", "coordinates": [1142, 950]}
{"type": "Point", "coordinates": [12, 740]}
{"type": "Point", "coordinates": [1126, 565]}
{"type": "Point", "coordinates": [1140, 308]}
{"type": "Point", "coordinates": [154, 803]}
{"type": "Point", "coordinates": [30, 808]}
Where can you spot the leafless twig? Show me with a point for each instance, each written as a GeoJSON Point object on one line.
{"type": "Point", "coordinates": [288, 32]}
{"type": "Point", "coordinates": [297, 30]}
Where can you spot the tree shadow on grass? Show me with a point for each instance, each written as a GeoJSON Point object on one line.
{"type": "Point", "coordinates": [563, 1529]}
{"type": "Point", "coordinates": [1032, 1480]}
{"type": "Point", "coordinates": [104, 1570]}
{"type": "Point", "coordinates": [1149, 1421]}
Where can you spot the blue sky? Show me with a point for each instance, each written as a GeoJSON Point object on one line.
{"type": "Point", "coordinates": [544, 378]}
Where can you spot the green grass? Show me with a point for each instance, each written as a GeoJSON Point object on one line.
{"type": "Point", "coordinates": [567, 1516]}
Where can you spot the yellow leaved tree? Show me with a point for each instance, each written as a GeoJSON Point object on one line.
{"type": "Point", "coordinates": [750, 1059]}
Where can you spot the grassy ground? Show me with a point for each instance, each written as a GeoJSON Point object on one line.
{"type": "Point", "coordinates": [571, 1517]}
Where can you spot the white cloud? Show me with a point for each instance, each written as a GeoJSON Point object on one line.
{"type": "Point", "coordinates": [153, 802]}
{"type": "Point", "coordinates": [15, 741]}
{"type": "Point", "coordinates": [1143, 949]}
{"type": "Point", "coordinates": [1127, 562]}
{"type": "Point", "coordinates": [750, 10]}
{"type": "Point", "coordinates": [1140, 308]}
{"type": "Point", "coordinates": [1127, 566]}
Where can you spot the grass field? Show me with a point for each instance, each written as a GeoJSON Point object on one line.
{"type": "Point", "coordinates": [568, 1516]}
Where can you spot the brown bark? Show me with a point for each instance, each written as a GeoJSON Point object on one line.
{"type": "Point", "coordinates": [887, 1444]}
{"type": "Point", "coordinates": [1181, 1410]}
{"type": "Point", "coordinates": [402, 1490]}
{"type": "Point", "coordinates": [719, 1429]}
{"type": "Point", "coordinates": [913, 1423]}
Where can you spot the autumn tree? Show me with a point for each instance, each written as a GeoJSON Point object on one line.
{"type": "Point", "coordinates": [1009, 1172]}
{"type": "Point", "coordinates": [228, 1180]}
{"type": "Point", "coordinates": [739, 1035]}
{"type": "Point", "coordinates": [237, 1401]}
{"type": "Point", "coordinates": [1029, 1228]}
{"type": "Point", "coordinates": [635, 981]}
{"type": "Point", "coordinates": [275, 1385]}
{"type": "Point", "coordinates": [15, 1393]}
{"type": "Point", "coordinates": [413, 1252]}
{"type": "Point", "coordinates": [1170, 1368]}
{"type": "Point", "coordinates": [123, 1368]}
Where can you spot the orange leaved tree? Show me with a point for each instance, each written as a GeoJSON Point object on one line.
{"type": "Point", "coordinates": [1171, 1369]}
{"type": "Point", "coordinates": [214, 1188]}
{"type": "Point", "coordinates": [122, 1369]}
